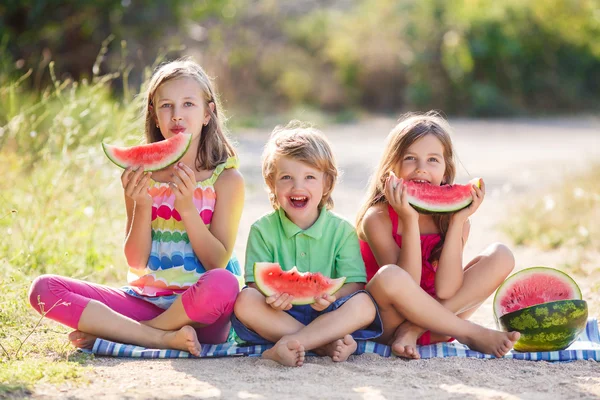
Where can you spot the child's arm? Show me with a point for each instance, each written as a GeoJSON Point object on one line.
{"type": "Point", "coordinates": [213, 246]}
{"type": "Point", "coordinates": [138, 203]}
{"type": "Point", "coordinates": [257, 250]}
{"type": "Point", "coordinates": [449, 274]}
{"type": "Point", "coordinates": [377, 228]}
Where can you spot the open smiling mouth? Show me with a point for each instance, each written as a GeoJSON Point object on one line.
{"type": "Point", "coordinates": [298, 201]}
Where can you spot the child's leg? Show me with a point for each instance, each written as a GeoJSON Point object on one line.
{"type": "Point", "coordinates": [400, 298]}
{"type": "Point", "coordinates": [482, 276]}
{"type": "Point", "coordinates": [252, 310]}
{"type": "Point", "coordinates": [209, 301]}
{"type": "Point", "coordinates": [356, 313]}
{"type": "Point", "coordinates": [105, 312]}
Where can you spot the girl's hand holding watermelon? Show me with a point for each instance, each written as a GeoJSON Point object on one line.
{"type": "Point", "coordinates": [183, 186]}
{"type": "Point", "coordinates": [135, 184]}
{"type": "Point", "coordinates": [478, 195]}
{"type": "Point", "coordinates": [395, 194]}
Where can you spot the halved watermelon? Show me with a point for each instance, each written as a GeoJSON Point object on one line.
{"type": "Point", "coordinates": [152, 156]}
{"type": "Point", "coordinates": [532, 286]}
{"type": "Point", "coordinates": [427, 198]}
{"type": "Point", "coordinates": [547, 327]}
{"type": "Point", "coordinates": [304, 286]}
{"type": "Point", "coordinates": [544, 305]}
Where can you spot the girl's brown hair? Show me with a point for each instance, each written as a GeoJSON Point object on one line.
{"type": "Point", "coordinates": [410, 128]}
{"type": "Point", "coordinates": [303, 143]}
{"type": "Point", "coordinates": [214, 147]}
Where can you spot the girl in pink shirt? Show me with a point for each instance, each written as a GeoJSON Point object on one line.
{"type": "Point", "coordinates": [414, 261]}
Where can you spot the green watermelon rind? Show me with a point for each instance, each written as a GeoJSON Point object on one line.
{"type": "Point", "coordinates": [506, 285]}
{"type": "Point", "coordinates": [424, 208]}
{"type": "Point", "coordinates": [549, 326]}
{"type": "Point", "coordinates": [174, 157]}
{"type": "Point", "coordinates": [337, 284]}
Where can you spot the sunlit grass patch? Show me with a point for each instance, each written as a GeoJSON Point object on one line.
{"type": "Point", "coordinates": [20, 376]}
{"type": "Point", "coordinates": [566, 215]}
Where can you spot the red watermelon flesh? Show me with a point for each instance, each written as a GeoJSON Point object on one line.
{"type": "Point", "coordinates": [428, 198]}
{"type": "Point", "coordinates": [152, 156]}
{"type": "Point", "coordinates": [304, 286]}
{"type": "Point", "coordinates": [533, 286]}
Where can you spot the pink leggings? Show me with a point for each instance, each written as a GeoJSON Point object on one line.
{"type": "Point", "coordinates": [209, 302]}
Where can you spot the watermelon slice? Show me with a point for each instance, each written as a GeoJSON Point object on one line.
{"type": "Point", "coordinates": [544, 305]}
{"type": "Point", "coordinates": [304, 286]}
{"type": "Point", "coordinates": [427, 198]}
{"type": "Point", "coordinates": [532, 286]}
{"type": "Point", "coordinates": [152, 156]}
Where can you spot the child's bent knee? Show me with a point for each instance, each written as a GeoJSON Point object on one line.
{"type": "Point", "coordinates": [37, 291]}
{"type": "Point", "coordinates": [211, 297]}
{"type": "Point", "coordinates": [368, 308]}
{"type": "Point", "coordinates": [389, 279]}
{"type": "Point", "coordinates": [502, 255]}
{"type": "Point", "coordinates": [247, 301]}
{"type": "Point", "coordinates": [223, 280]}
{"type": "Point", "coordinates": [363, 306]}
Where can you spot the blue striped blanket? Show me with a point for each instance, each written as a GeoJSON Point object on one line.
{"type": "Point", "coordinates": [587, 347]}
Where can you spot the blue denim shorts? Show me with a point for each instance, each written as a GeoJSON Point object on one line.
{"type": "Point", "coordinates": [305, 314]}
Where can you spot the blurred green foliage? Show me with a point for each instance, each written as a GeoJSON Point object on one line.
{"type": "Point", "coordinates": [466, 57]}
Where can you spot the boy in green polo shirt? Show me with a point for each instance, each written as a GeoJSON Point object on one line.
{"type": "Point", "coordinates": [300, 172]}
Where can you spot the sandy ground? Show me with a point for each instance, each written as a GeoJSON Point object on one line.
{"type": "Point", "coordinates": [516, 159]}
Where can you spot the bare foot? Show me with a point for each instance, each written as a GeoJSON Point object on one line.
{"type": "Point", "coordinates": [290, 353]}
{"type": "Point", "coordinates": [405, 340]}
{"type": "Point", "coordinates": [490, 341]}
{"type": "Point", "coordinates": [82, 340]}
{"type": "Point", "coordinates": [184, 339]}
{"type": "Point", "coordinates": [339, 350]}
{"type": "Point", "coordinates": [343, 348]}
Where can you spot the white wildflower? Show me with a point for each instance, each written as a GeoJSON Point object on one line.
{"type": "Point", "coordinates": [68, 122]}
{"type": "Point", "coordinates": [33, 133]}
{"type": "Point", "coordinates": [578, 193]}
{"type": "Point", "coordinates": [582, 230]}
{"type": "Point", "coordinates": [88, 211]}
{"type": "Point", "coordinates": [549, 203]}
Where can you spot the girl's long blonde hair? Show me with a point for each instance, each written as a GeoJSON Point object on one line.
{"type": "Point", "coordinates": [410, 128]}
{"type": "Point", "coordinates": [214, 147]}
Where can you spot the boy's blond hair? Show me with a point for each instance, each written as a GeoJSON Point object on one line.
{"type": "Point", "coordinates": [301, 142]}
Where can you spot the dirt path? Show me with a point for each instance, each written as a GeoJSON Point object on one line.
{"type": "Point", "coordinates": [516, 159]}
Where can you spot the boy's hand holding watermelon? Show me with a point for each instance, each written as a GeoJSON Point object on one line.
{"type": "Point", "coordinates": [322, 302]}
{"type": "Point", "coordinates": [280, 301]}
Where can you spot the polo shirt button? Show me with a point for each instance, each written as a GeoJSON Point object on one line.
{"type": "Point", "coordinates": [303, 254]}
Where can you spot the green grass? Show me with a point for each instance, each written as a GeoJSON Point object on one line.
{"type": "Point", "coordinates": [61, 211]}
{"type": "Point", "coordinates": [565, 217]}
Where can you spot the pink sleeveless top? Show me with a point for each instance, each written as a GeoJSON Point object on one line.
{"type": "Point", "coordinates": [428, 242]}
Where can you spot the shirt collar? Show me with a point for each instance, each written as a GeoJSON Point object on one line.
{"type": "Point", "coordinates": [315, 231]}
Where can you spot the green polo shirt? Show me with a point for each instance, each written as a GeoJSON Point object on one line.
{"type": "Point", "coordinates": [330, 246]}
